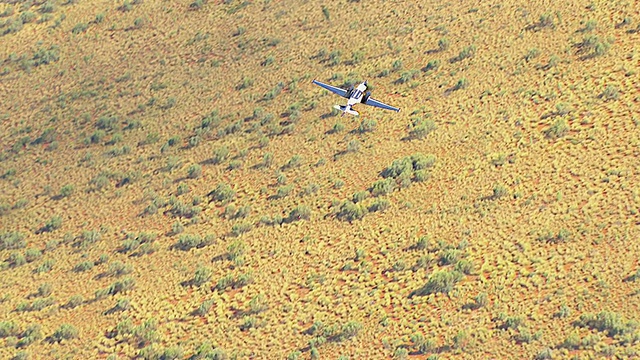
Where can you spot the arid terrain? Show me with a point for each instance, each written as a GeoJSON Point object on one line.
{"type": "Point", "coordinates": [173, 186]}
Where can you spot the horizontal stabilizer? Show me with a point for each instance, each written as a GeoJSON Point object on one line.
{"type": "Point", "coordinates": [346, 109]}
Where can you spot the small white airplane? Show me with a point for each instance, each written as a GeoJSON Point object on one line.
{"type": "Point", "coordinates": [355, 95]}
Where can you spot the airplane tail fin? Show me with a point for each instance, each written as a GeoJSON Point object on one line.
{"type": "Point", "coordinates": [346, 109]}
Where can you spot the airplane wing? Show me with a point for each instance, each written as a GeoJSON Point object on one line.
{"type": "Point", "coordinates": [376, 103]}
{"type": "Point", "coordinates": [333, 89]}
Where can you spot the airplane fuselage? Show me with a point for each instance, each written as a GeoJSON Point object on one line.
{"type": "Point", "coordinates": [357, 94]}
{"type": "Point", "coordinates": [356, 97]}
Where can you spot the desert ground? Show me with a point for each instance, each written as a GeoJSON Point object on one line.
{"type": "Point", "coordinates": [173, 186]}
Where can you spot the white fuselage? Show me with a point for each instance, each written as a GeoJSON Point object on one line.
{"type": "Point", "coordinates": [356, 95]}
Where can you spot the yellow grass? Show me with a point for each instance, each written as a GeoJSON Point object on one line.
{"type": "Point", "coordinates": [556, 132]}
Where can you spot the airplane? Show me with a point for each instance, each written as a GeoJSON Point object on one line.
{"type": "Point", "coordinates": [355, 95]}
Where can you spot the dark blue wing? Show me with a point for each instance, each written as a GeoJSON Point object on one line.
{"type": "Point", "coordinates": [376, 103]}
{"type": "Point", "coordinates": [333, 89]}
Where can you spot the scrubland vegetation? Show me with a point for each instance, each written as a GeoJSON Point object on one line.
{"type": "Point", "coordinates": [172, 186]}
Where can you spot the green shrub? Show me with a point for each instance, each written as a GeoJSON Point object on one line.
{"type": "Point", "coordinates": [421, 128]}
{"type": "Point", "coordinates": [79, 28]}
{"type": "Point", "coordinates": [182, 189]}
{"type": "Point", "coordinates": [422, 345]}
{"type": "Point", "coordinates": [431, 65]}
{"type": "Point", "coordinates": [118, 268]}
{"type": "Point", "coordinates": [465, 53]}
{"type": "Point", "coordinates": [44, 290]}
{"type": "Point", "coordinates": [449, 257]}
{"type": "Point", "coordinates": [443, 44]}
{"type": "Point", "coordinates": [53, 224]}
{"type": "Point", "coordinates": [546, 20]}
{"type": "Point", "coordinates": [121, 286]}
{"type": "Point", "coordinates": [499, 191]}
{"type": "Point", "coordinates": [397, 65]}
{"type": "Point", "coordinates": [572, 342]}
{"type": "Point", "coordinates": [32, 334]}
{"type": "Point", "coordinates": [293, 162]}
{"type": "Point", "coordinates": [196, 4]}
{"type": "Point", "coordinates": [407, 76]}
{"type": "Point", "coordinates": [367, 125]}
{"type": "Point", "coordinates": [398, 167]}
{"type": "Point", "coordinates": [136, 241]}
{"type": "Point", "coordinates": [241, 228]}
{"type": "Point", "coordinates": [223, 192]}
{"type": "Point", "coordinates": [611, 92]}
{"type": "Point", "coordinates": [40, 304]}
{"type": "Point", "coordinates": [88, 237]}
{"type": "Point", "coordinates": [204, 308]}
{"type": "Point", "coordinates": [481, 300]}
{"type": "Point", "coordinates": [67, 190]}
{"type": "Point", "coordinates": [8, 11]}
{"type": "Point", "coordinates": [350, 211]}
{"type": "Point", "coordinates": [8, 328]}
{"type": "Point", "coordinates": [32, 254]}
{"type": "Point", "coordinates": [27, 17]}
{"type": "Point", "coordinates": [334, 57]}
{"type": "Point", "coordinates": [177, 228]}
{"type": "Point", "coordinates": [190, 241]}
{"type": "Point", "coordinates": [464, 266]}
{"type": "Point", "coordinates": [194, 171]}
{"type": "Point", "coordinates": [246, 82]}
{"type": "Point", "coordinates": [21, 355]}
{"type": "Point", "coordinates": [220, 155]}
{"type": "Point", "coordinates": [268, 60]}
{"type": "Point", "coordinates": [461, 84]}
{"type": "Point", "coordinates": [337, 127]}
{"type": "Point", "coordinates": [353, 146]}
{"type": "Point", "coordinates": [64, 332]}
{"type": "Point", "coordinates": [420, 161]}
{"type": "Point", "coordinates": [46, 266]}
{"type": "Point", "coordinates": [461, 340]}
{"type": "Point", "coordinates": [421, 175]}
{"type": "Point", "coordinates": [202, 276]}
{"type": "Point", "coordinates": [235, 250]}
{"type": "Point", "coordinates": [350, 330]}
{"type": "Point", "coordinates": [172, 353]}
{"type": "Point", "coordinates": [283, 191]}
{"type": "Point", "coordinates": [12, 240]}
{"type": "Point", "coordinates": [137, 24]}
{"type": "Point", "coordinates": [83, 266]}
{"type": "Point", "coordinates": [532, 54]}
{"type": "Point", "coordinates": [267, 159]}
{"type": "Point", "coordinates": [613, 323]}
{"type": "Point", "coordinates": [300, 212]}
{"type": "Point", "coordinates": [235, 164]}
{"type": "Point", "coordinates": [439, 282]}
{"type": "Point", "coordinates": [225, 282]}
{"type": "Point", "coordinates": [310, 189]}
{"type": "Point", "coordinates": [401, 353]}
{"type": "Point", "coordinates": [207, 351]}
{"type": "Point", "coordinates": [100, 182]}
{"type": "Point", "coordinates": [563, 312]}
{"type": "Point", "coordinates": [263, 142]}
